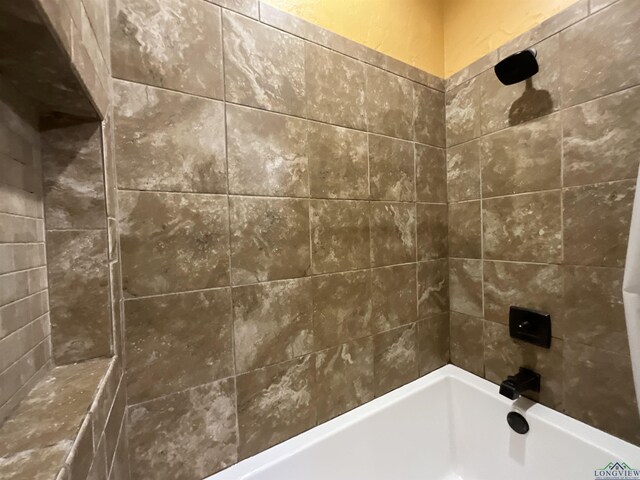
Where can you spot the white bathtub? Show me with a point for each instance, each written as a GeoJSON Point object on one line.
{"type": "Point", "coordinates": [449, 424]}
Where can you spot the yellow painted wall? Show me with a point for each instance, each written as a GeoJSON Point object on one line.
{"type": "Point", "coordinates": [473, 28]}
{"type": "Point", "coordinates": [408, 30]}
{"type": "Point", "coordinates": [438, 36]}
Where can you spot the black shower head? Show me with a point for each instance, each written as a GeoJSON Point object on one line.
{"type": "Point", "coordinates": [517, 67]}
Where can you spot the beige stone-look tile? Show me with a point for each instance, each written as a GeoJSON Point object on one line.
{"type": "Point", "coordinates": [465, 230]}
{"type": "Point", "coordinates": [173, 242]}
{"type": "Point", "coordinates": [267, 153]}
{"type": "Point", "coordinates": [78, 462]}
{"type": "Point", "coordinates": [431, 174]}
{"type": "Point", "coordinates": [191, 434]}
{"type": "Point", "coordinates": [168, 141]}
{"type": "Point", "coordinates": [389, 104]}
{"type": "Point", "coordinates": [189, 61]}
{"type": "Point", "coordinates": [523, 228]}
{"type": "Point", "coordinates": [338, 162]}
{"type": "Point", "coordinates": [509, 105]}
{"type": "Point", "coordinates": [599, 390]}
{"type": "Point", "coordinates": [395, 358]}
{"type": "Point", "coordinates": [344, 378]}
{"type": "Point", "coordinates": [433, 288]}
{"type": "Point", "coordinates": [433, 343]}
{"type": "Point", "coordinates": [98, 468]}
{"type": "Point", "coordinates": [73, 178]}
{"type": "Point", "coordinates": [428, 116]}
{"type": "Point", "coordinates": [40, 464]}
{"type": "Point", "coordinates": [463, 172]}
{"type": "Point", "coordinates": [269, 239]}
{"type": "Point", "coordinates": [275, 403]}
{"type": "Point", "coordinates": [472, 70]}
{"type": "Point", "coordinates": [593, 307]}
{"type": "Point", "coordinates": [595, 5]}
{"type": "Point", "coordinates": [600, 140]}
{"type": "Point", "coordinates": [463, 112]}
{"type": "Point", "coordinates": [539, 287]}
{"type": "Point", "coordinates": [604, 46]}
{"type": "Point", "coordinates": [432, 231]}
{"type": "Point", "coordinates": [335, 87]}
{"type": "Point", "coordinates": [342, 308]}
{"type": "Point", "coordinates": [596, 223]}
{"type": "Point", "coordinates": [120, 465]}
{"type": "Point", "coordinates": [15, 346]}
{"type": "Point", "coordinates": [522, 159]}
{"type": "Point", "coordinates": [20, 229]}
{"type": "Point", "coordinates": [250, 8]}
{"type": "Point", "coordinates": [393, 297]}
{"type": "Point", "coordinates": [339, 235]}
{"type": "Point", "coordinates": [465, 286]}
{"type": "Point", "coordinates": [391, 169]}
{"type": "Point", "coordinates": [503, 356]}
{"type": "Point", "coordinates": [184, 338]}
{"type": "Point", "coordinates": [467, 343]}
{"type": "Point", "coordinates": [272, 322]}
{"type": "Point", "coordinates": [263, 67]}
{"type": "Point", "coordinates": [79, 294]}
{"type": "Point", "coordinates": [393, 227]}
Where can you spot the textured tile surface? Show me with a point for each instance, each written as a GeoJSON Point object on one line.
{"type": "Point", "coordinates": [428, 116]}
{"type": "Point", "coordinates": [269, 239]}
{"type": "Point", "coordinates": [433, 343]}
{"type": "Point", "coordinates": [154, 127]}
{"type": "Point", "coordinates": [465, 230]}
{"type": "Point", "coordinates": [183, 338]}
{"type": "Point", "coordinates": [393, 296]}
{"type": "Point", "coordinates": [463, 112]}
{"type": "Point", "coordinates": [263, 67]}
{"type": "Point", "coordinates": [467, 343]}
{"type": "Point", "coordinates": [189, 61]}
{"type": "Point", "coordinates": [432, 231]}
{"type": "Point", "coordinates": [391, 169]}
{"type": "Point", "coordinates": [433, 288]}
{"type": "Point", "coordinates": [392, 233]}
{"type": "Point", "coordinates": [431, 174]}
{"type": "Point", "coordinates": [463, 172]}
{"type": "Point", "coordinates": [395, 360]}
{"type": "Point", "coordinates": [173, 242]}
{"type": "Point", "coordinates": [389, 104]}
{"type": "Point", "coordinates": [465, 286]}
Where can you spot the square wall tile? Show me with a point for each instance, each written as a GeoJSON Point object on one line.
{"type": "Point", "coordinates": [389, 104]}
{"type": "Point", "coordinates": [339, 235]}
{"type": "Point", "coordinates": [467, 343]}
{"type": "Point", "coordinates": [433, 343]}
{"type": "Point", "coordinates": [539, 287]}
{"type": "Point", "coordinates": [393, 227]}
{"type": "Point", "coordinates": [338, 162]}
{"type": "Point", "coordinates": [465, 230]}
{"type": "Point", "coordinates": [275, 403]}
{"type": "Point", "coordinates": [190, 62]}
{"type": "Point", "coordinates": [600, 140]}
{"type": "Point", "coordinates": [463, 172]}
{"type": "Point", "coordinates": [596, 223]}
{"type": "Point", "coordinates": [185, 338]}
{"type": "Point", "coordinates": [267, 153]}
{"type": "Point", "coordinates": [503, 356]}
{"type": "Point", "coordinates": [155, 127]}
{"type": "Point", "coordinates": [521, 159]}
{"type": "Point", "coordinates": [272, 322]}
{"type": "Point", "coordinates": [72, 171]}
{"type": "Point", "coordinates": [191, 434]}
{"type": "Point", "coordinates": [432, 231]}
{"type": "Point", "coordinates": [172, 242]}
{"type": "Point", "coordinates": [335, 87]}
{"type": "Point", "coordinates": [465, 286]}
{"type": "Point", "coordinates": [269, 239]}
{"type": "Point", "coordinates": [79, 294]}
{"type": "Point", "coordinates": [395, 360]}
{"type": "Point", "coordinates": [433, 288]}
{"type": "Point", "coordinates": [603, 45]}
{"type": "Point", "coordinates": [523, 228]}
{"type": "Point", "coordinates": [344, 377]}
{"type": "Point", "coordinates": [342, 308]}
{"type": "Point", "coordinates": [391, 169]}
{"type": "Point", "coordinates": [263, 67]}
{"type": "Point", "coordinates": [428, 116]}
{"type": "Point", "coordinates": [594, 309]}
{"type": "Point", "coordinates": [393, 296]}
{"type": "Point", "coordinates": [431, 174]}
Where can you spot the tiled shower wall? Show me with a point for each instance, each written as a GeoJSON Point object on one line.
{"type": "Point", "coordinates": [283, 228]}
{"type": "Point", "coordinates": [25, 348]}
{"type": "Point", "coordinates": [541, 180]}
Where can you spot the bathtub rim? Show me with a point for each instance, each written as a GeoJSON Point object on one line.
{"type": "Point", "coordinates": [534, 412]}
